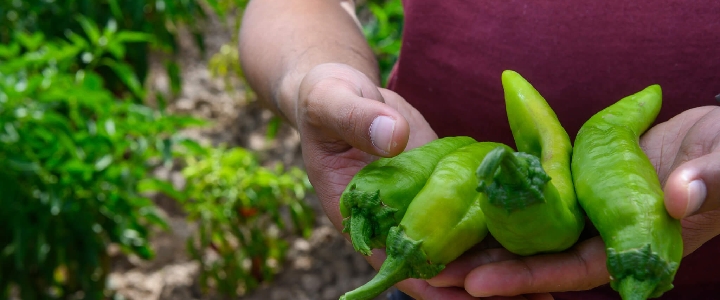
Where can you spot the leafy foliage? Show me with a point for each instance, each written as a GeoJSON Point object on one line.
{"type": "Point", "coordinates": [71, 157]}
{"type": "Point", "coordinates": [159, 20]}
{"type": "Point", "coordinates": [383, 31]}
{"type": "Point", "coordinates": [77, 148]}
{"type": "Point", "coordinates": [242, 210]}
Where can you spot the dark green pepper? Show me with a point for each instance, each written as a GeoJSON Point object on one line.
{"type": "Point", "coordinates": [531, 205]}
{"type": "Point", "coordinates": [378, 195]}
{"type": "Point", "coordinates": [443, 221]}
{"type": "Point", "coordinates": [618, 187]}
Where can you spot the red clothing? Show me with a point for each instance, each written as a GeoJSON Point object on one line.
{"type": "Point", "coordinates": [581, 56]}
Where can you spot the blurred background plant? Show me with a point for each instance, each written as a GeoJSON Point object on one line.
{"type": "Point", "coordinates": [79, 142]}
{"type": "Point", "coordinates": [238, 207]}
{"type": "Point", "coordinates": [383, 30]}
{"type": "Point", "coordinates": [71, 156]}
{"type": "Point", "coordinates": [159, 19]}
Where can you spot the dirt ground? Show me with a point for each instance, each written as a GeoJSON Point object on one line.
{"type": "Point", "coordinates": [321, 267]}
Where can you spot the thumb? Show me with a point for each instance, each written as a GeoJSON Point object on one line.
{"type": "Point", "coordinates": [340, 106]}
{"type": "Point", "coordinates": [694, 186]}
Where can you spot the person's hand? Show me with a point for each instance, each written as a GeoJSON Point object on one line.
{"type": "Point", "coordinates": [686, 153]}
{"type": "Point", "coordinates": [345, 122]}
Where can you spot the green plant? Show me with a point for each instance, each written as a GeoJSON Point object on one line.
{"type": "Point", "coordinates": [241, 209]}
{"type": "Point", "coordinates": [72, 156]}
{"type": "Point", "coordinates": [160, 20]}
{"type": "Point", "coordinates": [383, 31]}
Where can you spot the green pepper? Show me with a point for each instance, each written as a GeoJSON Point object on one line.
{"type": "Point", "coordinates": [618, 187]}
{"type": "Point", "coordinates": [378, 195]}
{"type": "Point", "coordinates": [531, 205]}
{"type": "Point", "coordinates": [443, 221]}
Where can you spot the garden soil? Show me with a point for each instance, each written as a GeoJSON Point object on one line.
{"type": "Point", "coordinates": [324, 266]}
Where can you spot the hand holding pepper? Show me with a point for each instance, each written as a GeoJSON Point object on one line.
{"type": "Point", "coordinates": [345, 122]}
{"type": "Point", "coordinates": [685, 151]}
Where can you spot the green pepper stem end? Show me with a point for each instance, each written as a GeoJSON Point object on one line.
{"type": "Point", "coordinates": [392, 271]}
{"type": "Point", "coordinates": [633, 289]}
{"type": "Point", "coordinates": [360, 231]}
{"type": "Point", "coordinates": [369, 219]}
{"type": "Point", "coordinates": [512, 180]}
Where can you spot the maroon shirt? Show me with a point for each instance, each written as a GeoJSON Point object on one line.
{"type": "Point", "coordinates": [580, 55]}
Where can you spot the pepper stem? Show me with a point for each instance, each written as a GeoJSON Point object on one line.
{"type": "Point", "coordinates": [633, 289]}
{"type": "Point", "coordinates": [392, 271]}
{"type": "Point", "coordinates": [369, 220]}
{"type": "Point", "coordinates": [405, 259]}
{"type": "Point", "coordinates": [360, 232]}
{"type": "Point", "coordinates": [512, 180]}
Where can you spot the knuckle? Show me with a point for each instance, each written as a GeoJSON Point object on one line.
{"type": "Point", "coordinates": [312, 105]}
{"type": "Point", "coordinates": [326, 105]}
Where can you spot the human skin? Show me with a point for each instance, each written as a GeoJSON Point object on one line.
{"type": "Point", "coordinates": [309, 62]}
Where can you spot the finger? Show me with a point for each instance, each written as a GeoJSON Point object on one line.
{"type": "Point", "coordinates": [455, 272]}
{"type": "Point", "coordinates": [694, 185]}
{"type": "Point", "coordinates": [421, 132]}
{"type": "Point", "coordinates": [345, 106]}
{"type": "Point", "coordinates": [540, 296]}
{"type": "Point", "coordinates": [419, 289]}
{"type": "Point", "coordinates": [579, 268]}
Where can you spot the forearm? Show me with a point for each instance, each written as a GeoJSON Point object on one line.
{"type": "Point", "coordinates": [281, 40]}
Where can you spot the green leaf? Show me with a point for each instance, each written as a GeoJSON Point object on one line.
{"type": "Point", "coordinates": [151, 214]}
{"type": "Point", "coordinates": [10, 135]}
{"type": "Point", "coordinates": [91, 29]}
{"type": "Point", "coordinates": [126, 74]}
{"type": "Point", "coordinates": [24, 165]}
{"type": "Point", "coordinates": [157, 185]}
{"type": "Point", "coordinates": [31, 42]}
{"type": "Point", "coordinates": [193, 147]}
{"type": "Point", "coordinates": [117, 49]}
{"type": "Point", "coordinates": [173, 71]}
{"type": "Point", "coordinates": [132, 37]}
{"type": "Point", "coordinates": [9, 51]}
{"type": "Point", "coordinates": [273, 127]}
{"type": "Point", "coordinates": [161, 101]}
{"type": "Point", "coordinates": [76, 167]}
{"type": "Point", "coordinates": [77, 40]}
{"type": "Point", "coordinates": [187, 121]}
{"type": "Point", "coordinates": [166, 150]}
{"type": "Point", "coordinates": [92, 82]}
{"type": "Point", "coordinates": [103, 162]}
{"type": "Point", "coordinates": [115, 9]}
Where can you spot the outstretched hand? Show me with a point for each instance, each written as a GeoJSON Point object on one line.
{"type": "Point", "coordinates": [686, 153]}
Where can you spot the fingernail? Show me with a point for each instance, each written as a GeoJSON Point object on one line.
{"type": "Point", "coordinates": [697, 191]}
{"type": "Point", "coordinates": [381, 132]}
